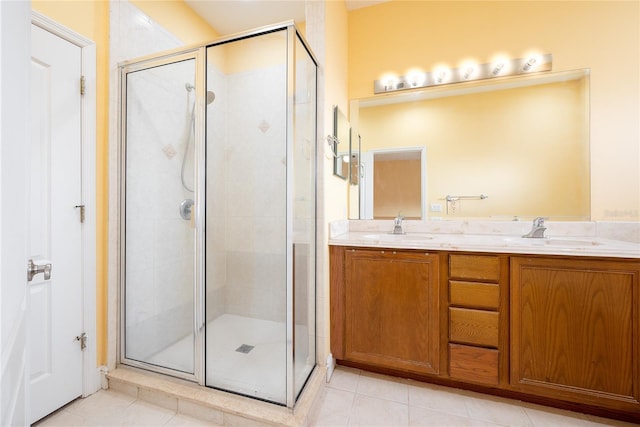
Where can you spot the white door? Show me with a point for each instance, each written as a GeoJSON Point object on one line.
{"type": "Point", "coordinates": [55, 230]}
{"type": "Point", "coordinates": [14, 141]}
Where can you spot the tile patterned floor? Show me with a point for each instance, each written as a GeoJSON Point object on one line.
{"type": "Point", "coordinates": [109, 408]}
{"type": "Point", "coordinates": [352, 398]}
{"type": "Point", "coordinates": [358, 398]}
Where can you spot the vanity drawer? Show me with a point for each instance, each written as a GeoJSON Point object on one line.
{"type": "Point", "coordinates": [473, 364]}
{"type": "Point", "coordinates": [474, 294]}
{"type": "Point", "coordinates": [476, 327]}
{"type": "Point", "coordinates": [474, 267]}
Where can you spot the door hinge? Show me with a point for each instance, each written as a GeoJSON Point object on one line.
{"type": "Point", "coordinates": [81, 207]}
{"type": "Point", "coordinates": [83, 85]}
{"type": "Point", "coordinates": [82, 338]}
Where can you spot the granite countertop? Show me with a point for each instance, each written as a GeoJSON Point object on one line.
{"type": "Point", "coordinates": [505, 240]}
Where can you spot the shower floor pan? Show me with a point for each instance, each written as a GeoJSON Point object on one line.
{"type": "Point", "coordinates": [244, 355]}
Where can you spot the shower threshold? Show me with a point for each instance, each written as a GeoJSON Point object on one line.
{"type": "Point", "coordinates": [211, 405]}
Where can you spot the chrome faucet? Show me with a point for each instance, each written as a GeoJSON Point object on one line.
{"type": "Point", "coordinates": [537, 230]}
{"type": "Point", "coordinates": [397, 225]}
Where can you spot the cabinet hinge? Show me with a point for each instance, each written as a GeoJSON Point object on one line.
{"type": "Point", "coordinates": [82, 339]}
{"type": "Point", "coordinates": [83, 85]}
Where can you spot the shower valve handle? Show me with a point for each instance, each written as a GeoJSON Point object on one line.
{"type": "Point", "coordinates": [185, 209]}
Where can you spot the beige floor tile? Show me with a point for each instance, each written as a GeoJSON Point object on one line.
{"type": "Point", "coordinates": [141, 413]}
{"type": "Point", "coordinates": [333, 408]}
{"type": "Point", "coordinates": [437, 398]}
{"type": "Point", "coordinates": [185, 421]}
{"type": "Point", "coordinates": [62, 418]}
{"type": "Point", "coordinates": [497, 411]}
{"type": "Point", "coordinates": [353, 398]}
{"type": "Point", "coordinates": [345, 379]}
{"type": "Point", "coordinates": [542, 416]}
{"type": "Point", "coordinates": [480, 423]}
{"type": "Point", "coordinates": [428, 417]}
{"type": "Point", "coordinates": [102, 408]}
{"type": "Point", "coordinates": [371, 411]}
{"type": "Point", "coordinates": [383, 387]}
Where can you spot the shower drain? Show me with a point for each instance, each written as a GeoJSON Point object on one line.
{"type": "Point", "coordinates": [244, 348]}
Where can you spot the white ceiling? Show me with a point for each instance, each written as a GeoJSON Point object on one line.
{"type": "Point", "coordinates": [233, 16]}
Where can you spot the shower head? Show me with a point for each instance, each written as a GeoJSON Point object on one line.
{"type": "Point", "coordinates": [210, 95]}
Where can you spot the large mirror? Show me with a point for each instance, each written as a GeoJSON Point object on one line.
{"type": "Point", "coordinates": [507, 149]}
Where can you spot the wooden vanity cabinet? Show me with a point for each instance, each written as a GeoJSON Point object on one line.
{"type": "Point", "coordinates": [575, 330]}
{"type": "Point", "coordinates": [478, 316]}
{"type": "Point", "coordinates": [385, 311]}
{"type": "Point", "coordinates": [557, 330]}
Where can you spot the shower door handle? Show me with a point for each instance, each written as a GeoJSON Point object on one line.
{"type": "Point", "coordinates": [33, 269]}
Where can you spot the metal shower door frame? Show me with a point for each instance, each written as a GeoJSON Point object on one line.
{"type": "Point", "coordinates": [198, 55]}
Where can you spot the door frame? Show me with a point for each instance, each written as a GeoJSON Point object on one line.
{"type": "Point", "coordinates": [367, 160]}
{"type": "Point", "coordinates": [91, 379]}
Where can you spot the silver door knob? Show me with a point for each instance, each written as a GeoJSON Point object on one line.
{"type": "Point", "coordinates": [33, 269]}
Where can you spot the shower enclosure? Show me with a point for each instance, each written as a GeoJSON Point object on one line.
{"type": "Point", "coordinates": [218, 214]}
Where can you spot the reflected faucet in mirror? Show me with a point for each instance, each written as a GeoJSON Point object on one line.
{"type": "Point", "coordinates": [398, 227]}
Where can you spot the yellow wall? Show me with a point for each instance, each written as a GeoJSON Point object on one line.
{"type": "Point", "coordinates": [332, 74]}
{"type": "Point", "coordinates": [91, 19]}
{"type": "Point", "coordinates": [179, 19]}
{"type": "Point", "coordinates": [602, 35]}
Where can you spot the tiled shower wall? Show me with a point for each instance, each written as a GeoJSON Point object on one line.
{"type": "Point", "coordinates": [255, 182]}
{"type": "Point", "coordinates": [159, 242]}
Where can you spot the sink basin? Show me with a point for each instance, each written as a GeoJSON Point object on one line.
{"type": "Point", "coordinates": [388, 237]}
{"type": "Point", "coordinates": [551, 241]}
{"type": "Point", "coordinates": [571, 242]}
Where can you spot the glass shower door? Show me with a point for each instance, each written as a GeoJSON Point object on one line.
{"type": "Point", "coordinates": [159, 283]}
{"type": "Point", "coordinates": [246, 338]}
{"type": "Point", "coordinates": [303, 187]}
{"type": "Point", "coordinates": [261, 216]}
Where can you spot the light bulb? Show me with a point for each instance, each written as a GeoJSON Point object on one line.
{"type": "Point", "coordinates": [529, 64]}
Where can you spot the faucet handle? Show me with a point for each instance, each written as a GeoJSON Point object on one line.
{"type": "Point", "coordinates": [539, 221]}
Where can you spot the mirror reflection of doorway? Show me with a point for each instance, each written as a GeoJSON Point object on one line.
{"type": "Point", "coordinates": [393, 183]}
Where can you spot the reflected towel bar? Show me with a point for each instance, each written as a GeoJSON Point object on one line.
{"type": "Point", "coordinates": [456, 198]}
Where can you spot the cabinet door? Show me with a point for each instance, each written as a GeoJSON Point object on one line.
{"type": "Point", "coordinates": [575, 330]}
{"type": "Point", "coordinates": [391, 306]}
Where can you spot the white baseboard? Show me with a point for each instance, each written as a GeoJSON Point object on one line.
{"type": "Point", "coordinates": [331, 365]}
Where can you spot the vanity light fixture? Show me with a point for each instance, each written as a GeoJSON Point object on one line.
{"type": "Point", "coordinates": [497, 68]}
{"type": "Point", "coordinates": [469, 72]}
{"type": "Point", "coordinates": [416, 79]}
{"type": "Point", "coordinates": [531, 64]}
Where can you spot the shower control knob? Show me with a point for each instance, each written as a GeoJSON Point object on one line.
{"type": "Point", "coordinates": [185, 209]}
